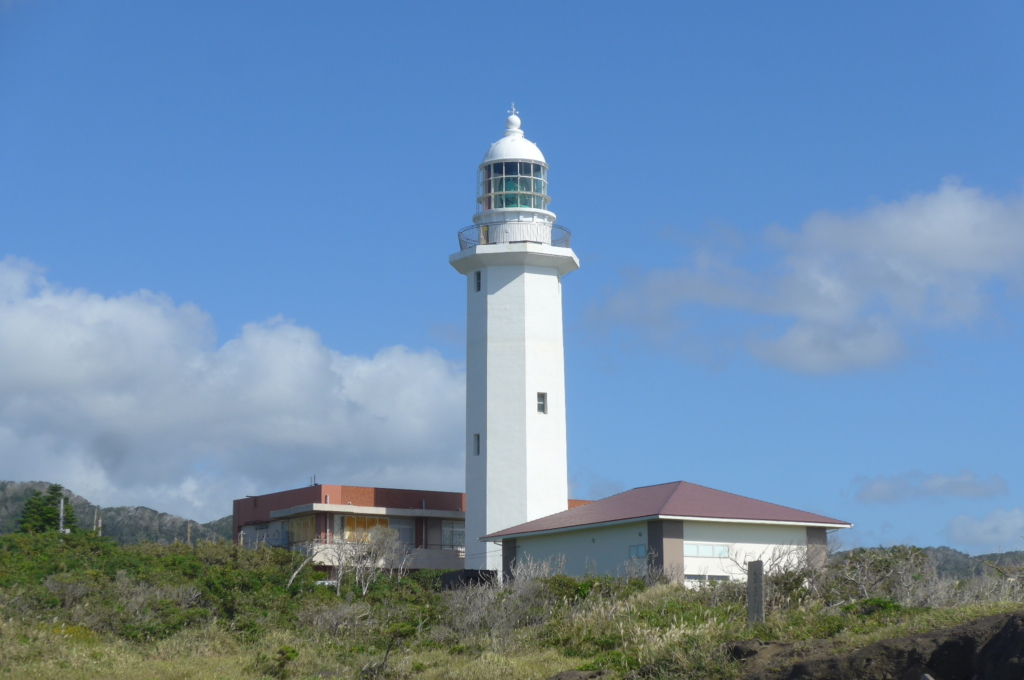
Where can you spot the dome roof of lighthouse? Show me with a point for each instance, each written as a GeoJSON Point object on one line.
{"type": "Point", "coordinates": [514, 146]}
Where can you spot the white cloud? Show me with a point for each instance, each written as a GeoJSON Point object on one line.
{"type": "Point", "coordinates": [964, 484]}
{"type": "Point", "coordinates": [843, 291]}
{"type": "Point", "coordinates": [129, 400]}
{"type": "Point", "coordinates": [998, 530]}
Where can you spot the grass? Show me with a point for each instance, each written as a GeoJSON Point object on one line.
{"type": "Point", "coordinates": [81, 607]}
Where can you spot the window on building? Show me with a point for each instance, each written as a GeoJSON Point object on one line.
{"type": "Point", "coordinates": [453, 534]}
{"type": "Point", "coordinates": [476, 445]}
{"type": "Point", "coordinates": [302, 529]}
{"type": "Point", "coordinates": [638, 552]}
{"type": "Point", "coordinates": [705, 550]}
{"type": "Point", "coordinates": [478, 281]}
{"type": "Point", "coordinates": [699, 578]}
{"type": "Point", "coordinates": [406, 528]}
{"type": "Point", "coordinates": [542, 402]}
{"type": "Point", "coordinates": [356, 528]}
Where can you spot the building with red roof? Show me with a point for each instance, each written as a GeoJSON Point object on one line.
{"type": "Point", "coordinates": [685, 531]}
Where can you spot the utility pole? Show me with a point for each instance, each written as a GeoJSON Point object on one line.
{"type": "Point", "coordinates": [188, 532]}
{"type": "Point", "coordinates": [60, 522]}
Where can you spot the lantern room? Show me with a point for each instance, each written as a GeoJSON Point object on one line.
{"type": "Point", "coordinates": [512, 181]}
{"type": "Point", "coordinates": [513, 184]}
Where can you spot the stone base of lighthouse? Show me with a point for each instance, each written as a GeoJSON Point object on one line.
{"type": "Point", "coordinates": [516, 468]}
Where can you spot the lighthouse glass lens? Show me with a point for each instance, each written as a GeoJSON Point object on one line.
{"type": "Point", "coordinates": [498, 168]}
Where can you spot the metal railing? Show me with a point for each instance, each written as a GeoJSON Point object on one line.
{"type": "Point", "coordinates": [514, 232]}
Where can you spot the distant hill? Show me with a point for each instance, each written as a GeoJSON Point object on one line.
{"type": "Point", "coordinates": [125, 525]}
{"type": "Point", "coordinates": [950, 563]}
{"type": "Point", "coordinates": [955, 564]}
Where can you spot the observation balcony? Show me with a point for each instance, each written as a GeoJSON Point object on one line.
{"type": "Point", "coordinates": [514, 232]}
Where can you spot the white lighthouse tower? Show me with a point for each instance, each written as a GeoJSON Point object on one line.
{"type": "Point", "coordinates": [514, 257]}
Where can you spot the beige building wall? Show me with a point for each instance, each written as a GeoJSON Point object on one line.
{"type": "Point", "coordinates": [601, 550]}
{"type": "Point", "coordinates": [673, 547]}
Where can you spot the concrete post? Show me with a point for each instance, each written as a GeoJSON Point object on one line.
{"type": "Point", "coordinates": [755, 592]}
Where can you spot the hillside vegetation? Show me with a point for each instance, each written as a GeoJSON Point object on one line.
{"type": "Point", "coordinates": [124, 525]}
{"type": "Point", "coordinates": [78, 606]}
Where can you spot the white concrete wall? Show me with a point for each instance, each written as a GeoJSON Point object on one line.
{"type": "Point", "coordinates": [601, 550]}
{"type": "Point", "coordinates": [514, 350]}
{"type": "Point", "coordinates": [746, 542]}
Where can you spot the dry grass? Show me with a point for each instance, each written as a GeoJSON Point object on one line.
{"type": "Point", "coordinates": [532, 628]}
{"type": "Point", "coordinates": [41, 652]}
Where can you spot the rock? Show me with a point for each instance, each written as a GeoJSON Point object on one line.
{"type": "Point", "coordinates": [991, 648]}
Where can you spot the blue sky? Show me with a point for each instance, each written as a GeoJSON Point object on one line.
{"type": "Point", "coordinates": [800, 227]}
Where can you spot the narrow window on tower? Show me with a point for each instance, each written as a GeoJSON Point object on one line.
{"type": "Point", "coordinates": [478, 281]}
{"type": "Point", "coordinates": [542, 402]}
{"type": "Point", "coordinates": [476, 445]}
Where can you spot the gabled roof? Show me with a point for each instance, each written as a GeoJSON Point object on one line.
{"type": "Point", "coordinates": [675, 499]}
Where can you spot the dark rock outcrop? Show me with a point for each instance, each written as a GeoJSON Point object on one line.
{"type": "Point", "coordinates": [991, 648]}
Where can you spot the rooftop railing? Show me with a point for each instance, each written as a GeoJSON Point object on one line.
{"type": "Point", "coordinates": [514, 232]}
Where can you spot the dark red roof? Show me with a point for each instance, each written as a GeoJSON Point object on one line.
{"type": "Point", "coordinates": [675, 499]}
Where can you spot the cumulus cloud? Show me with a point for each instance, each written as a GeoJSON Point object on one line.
{"type": "Point", "coordinates": [911, 485]}
{"type": "Point", "coordinates": [842, 292]}
{"type": "Point", "coordinates": [999, 530]}
{"type": "Point", "coordinates": [130, 400]}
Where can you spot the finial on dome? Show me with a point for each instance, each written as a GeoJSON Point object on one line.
{"type": "Point", "coordinates": [513, 121]}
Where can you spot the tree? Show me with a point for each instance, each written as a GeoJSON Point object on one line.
{"type": "Point", "coordinates": [366, 557]}
{"type": "Point", "coordinates": [42, 512]}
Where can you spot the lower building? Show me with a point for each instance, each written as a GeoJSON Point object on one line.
{"type": "Point", "coordinates": [430, 524]}
{"type": "Point", "coordinates": [688, 533]}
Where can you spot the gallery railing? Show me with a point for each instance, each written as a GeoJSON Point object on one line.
{"type": "Point", "coordinates": [514, 232]}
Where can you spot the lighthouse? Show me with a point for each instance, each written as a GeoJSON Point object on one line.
{"type": "Point", "coordinates": [513, 257]}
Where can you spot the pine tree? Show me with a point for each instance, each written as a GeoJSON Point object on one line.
{"type": "Point", "coordinates": [42, 512]}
